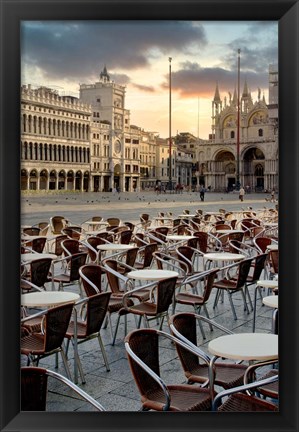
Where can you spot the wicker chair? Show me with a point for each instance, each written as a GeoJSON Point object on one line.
{"type": "Point", "coordinates": [233, 285]}
{"type": "Point", "coordinates": [37, 244]}
{"type": "Point", "coordinates": [38, 273]}
{"type": "Point", "coordinates": [261, 243]}
{"type": "Point", "coordinates": [195, 300]}
{"type": "Point", "coordinates": [158, 304]}
{"type": "Point", "coordinates": [196, 368]}
{"type": "Point", "coordinates": [56, 246]}
{"type": "Point", "coordinates": [39, 345]}
{"type": "Point", "coordinates": [32, 231]}
{"type": "Point", "coordinates": [73, 232]}
{"type": "Point", "coordinates": [71, 274]}
{"type": "Point", "coordinates": [70, 247]}
{"type": "Point", "coordinates": [238, 401]}
{"type": "Point", "coordinates": [95, 311]}
{"type": "Point", "coordinates": [57, 223]}
{"type": "Point", "coordinates": [91, 276]}
{"type": "Point", "coordinates": [146, 253]}
{"type": "Point", "coordinates": [34, 389]}
{"type": "Point", "coordinates": [142, 347]}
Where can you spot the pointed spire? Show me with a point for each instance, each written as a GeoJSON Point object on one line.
{"type": "Point", "coordinates": [245, 90]}
{"type": "Point", "coordinates": [104, 74]}
{"type": "Point", "coordinates": [217, 94]}
{"type": "Point", "coordinates": [235, 98]}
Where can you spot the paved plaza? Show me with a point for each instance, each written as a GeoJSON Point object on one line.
{"type": "Point", "coordinates": [116, 390]}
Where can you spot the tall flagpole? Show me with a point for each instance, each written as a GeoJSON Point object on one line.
{"type": "Point", "coordinates": [170, 139]}
{"type": "Point", "coordinates": [238, 126]}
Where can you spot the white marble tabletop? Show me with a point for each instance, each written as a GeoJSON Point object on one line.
{"type": "Point", "coordinates": [174, 237]}
{"type": "Point", "coordinates": [113, 247]}
{"type": "Point", "coordinates": [271, 301]}
{"type": "Point", "coordinates": [223, 256]}
{"type": "Point", "coordinates": [246, 346]}
{"type": "Point", "coordinates": [48, 298]}
{"type": "Point", "coordinates": [29, 257]}
{"type": "Point", "coordinates": [272, 247]}
{"type": "Point", "coordinates": [151, 274]}
{"type": "Point", "coordinates": [267, 283]}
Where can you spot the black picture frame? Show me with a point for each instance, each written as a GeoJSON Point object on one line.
{"type": "Point", "coordinates": [286, 12]}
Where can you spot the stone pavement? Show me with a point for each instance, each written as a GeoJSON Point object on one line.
{"type": "Point", "coordinates": [116, 390]}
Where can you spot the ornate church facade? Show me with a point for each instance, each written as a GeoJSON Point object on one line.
{"type": "Point", "coordinates": [258, 141]}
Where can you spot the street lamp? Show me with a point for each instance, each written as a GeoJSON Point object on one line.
{"type": "Point", "coordinates": [170, 140]}
{"type": "Point", "coordinates": [238, 126]}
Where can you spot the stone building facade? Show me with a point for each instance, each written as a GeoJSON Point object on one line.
{"type": "Point", "coordinates": [258, 141]}
{"type": "Point", "coordinates": [55, 141]}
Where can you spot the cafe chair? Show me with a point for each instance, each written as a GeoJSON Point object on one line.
{"type": "Point", "coordinates": [36, 245]}
{"type": "Point", "coordinates": [50, 340]}
{"type": "Point", "coordinates": [80, 331]}
{"type": "Point", "coordinates": [145, 256]}
{"type": "Point", "coordinates": [70, 274]}
{"type": "Point", "coordinates": [55, 245]}
{"type": "Point", "coordinates": [32, 231]}
{"type": "Point", "coordinates": [236, 400]}
{"type": "Point", "coordinates": [38, 273]}
{"type": "Point", "coordinates": [191, 298]}
{"type": "Point", "coordinates": [161, 297]}
{"type": "Point", "coordinates": [72, 232]}
{"type": "Point", "coordinates": [142, 348]}
{"type": "Point", "coordinates": [91, 277]}
{"type": "Point", "coordinates": [235, 283]}
{"type": "Point", "coordinates": [57, 223]}
{"type": "Point", "coordinates": [196, 367]}
{"type": "Point", "coordinates": [271, 390]}
{"type": "Point", "coordinates": [34, 389]}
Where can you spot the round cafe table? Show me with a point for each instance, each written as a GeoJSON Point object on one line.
{"type": "Point", "coordinates": [265, 283]}
{"type": "Point", "coordinates": [177, 237]}
{"type": "Point", "coordinates": [222, 256]}
{"type": "Point", "coordinates": [27, 258]}
{"type": "Point", "coordinates": [48, 298]}
{"type": "Point", "coordinates": [272, 247]}
{"type": "Point", "coordinates": [245, 346]}
{"type": "Point", "coordinates": [151, 274]}
{"type": "Point", "coordinates": [272, 301]}
{"type": "Point", "coordinates": [114, 247]}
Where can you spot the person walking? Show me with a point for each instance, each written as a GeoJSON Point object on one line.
{"type": "Point", "coordinates": [202, 192]}
{"type": "Point", "coordinates": [241, 193]}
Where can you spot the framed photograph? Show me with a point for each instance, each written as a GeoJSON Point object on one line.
{"type": "Point", "coordinates": [14, 15]}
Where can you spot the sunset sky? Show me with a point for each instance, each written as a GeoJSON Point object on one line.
{"type": "Point", "coordinates": [64, 54]}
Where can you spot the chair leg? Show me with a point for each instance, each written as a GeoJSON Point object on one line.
{"type": "Point", "coordinates": [103, 352]}
{"type": "Point", "coordinates": [66, 366]}
{"type": "Point", "coordinates": [248, 296]}
{"type": "Point", "coordinates": [208, 316]}
{"type": "Point", "coordinates": [77, 365]}
{"type": "Point", "coordinates": [244, 300]}
{"type": "Point", "coordinates": [232, 304]}
{"type": "Point", "coordinates": [115, 331]}
{"type": "Point", "coordinates": [254, 309]}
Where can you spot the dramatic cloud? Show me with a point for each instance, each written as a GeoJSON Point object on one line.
{"type": "Point", "coordinates": [78, 50]}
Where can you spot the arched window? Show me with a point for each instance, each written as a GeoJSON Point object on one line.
{"type": "Point", "coordinates": [261, 132]}
{"type": "Point", "coordinates": [232, 134]}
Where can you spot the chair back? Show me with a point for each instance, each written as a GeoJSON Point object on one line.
{"type": "Point", "coordinates": [96, 218]}
{"type": "Point", "coordinates": [57, 223]}
{"type": "Point", "coordinates": [222, 226]}
{"type": "Point", "coordinates": [97, 306]}
{"type": "Point", "coordinates": [148, 254]}
{"type": "Point", "coordinates": [243, 270]}
{"type": "Point", "coordinates": [186, 325]}
{"type": "Point", "coordinates": [91, 274]}
{"type": "Point", "coordinates": [72, 232]}
{"type": "Point", "coordinates": [209, 282]}
{"type": "Point", "coordinates": [165, 293]}
{"type": "Point", "coordinates": [34, 385]}
{"type": "Point", "coordinates": [58, 244]}
{"type": "Point", "coordinates": [32, 231]}
{"type": "Point", "coordinates": [125, 237]}
{"type": "Point", "coordinates": [77, 261]}
{"type": "Point", "coordinates": [130, 225]}
{"type": "Point", "coordinates": [145, 344]}
{"type": "Point", "coordinates": [274, 260]}
{"type": "Point", "coordinates": [202, 243]}
{"type": "Point", "coordinates": [38, 244]}
{"type": "Point", "coordinates": [113, 221]}
{"type": "Point", "coordinates": [70, 246]}
{"type": "Point", "coordinates": [186, 256]}
{"type": "Point", "coordinates": [39, 270]}
{"type": "Point", "coordinates": [56, 324]}
{"type": "Point", "coordinates": [262, 243]}
{"type": "Point", "coordinates": [259, 265]}
{"type": "Point", "coordinates": [113, 280]}
{"type": "Point", "coordinates": [131, 255]}
{"type": "Point", "coordinates": [94, 242]}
